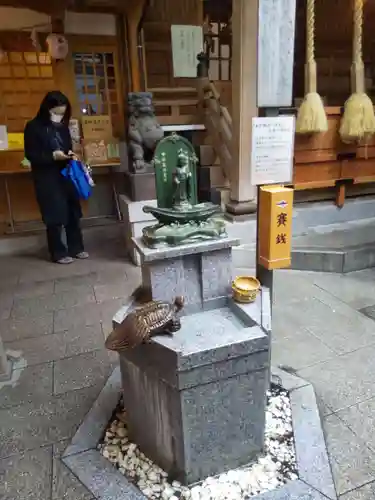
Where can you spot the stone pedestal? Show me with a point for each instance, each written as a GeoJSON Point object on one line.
{"type": "Point", "coordinates": [134, 220]}
{"type": "Point", "coordinates": [240, 211]}
{"type": "Point", "coordinates": [140, 187]}
{"type": "Point", "coordinates": [196, 401]}
{"type": "Point", "coordinates": [201, 272]}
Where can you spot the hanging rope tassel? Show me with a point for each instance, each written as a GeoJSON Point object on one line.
{"type": "Point", "coordinates": [311, 116]}
{"type": "Point", "coordinates": [358, 121]}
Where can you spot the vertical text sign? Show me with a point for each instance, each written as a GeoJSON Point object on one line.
{"type": "Point", "coordinates": [276, 52]}
{"type": "Point", "coordinates": [187, 43]}
{"type": "Point", "coordinates": [272, 150]}
{"type": "Point", "coordinates": [275, 232]}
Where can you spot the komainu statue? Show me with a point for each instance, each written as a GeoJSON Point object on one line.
{"type": "Point", "coordinates": [144, 132]}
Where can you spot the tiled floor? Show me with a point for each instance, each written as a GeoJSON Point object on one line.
{"type": "Point", "coordinates": [320, 331]}
{"type": "Point", "coordinates": [54, 319]}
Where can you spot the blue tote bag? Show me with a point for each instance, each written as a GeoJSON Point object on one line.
{"type": "Point", "coordinates": [76, 172]}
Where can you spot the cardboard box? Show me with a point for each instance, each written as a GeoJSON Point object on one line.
{"type": "Point", "coordinates": [113, 149]}
{"type": "Point", "coordinates": [97, 127]}
{"type": "Point", "coordinates": [95, 151]}
{"type": "Point", "coordinates": [74, 129]}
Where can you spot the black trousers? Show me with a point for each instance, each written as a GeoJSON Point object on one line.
{"type": "Point", "coordinates": [56, 246]}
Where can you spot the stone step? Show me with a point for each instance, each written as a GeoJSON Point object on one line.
{"type": "Point", "coordinates": [336, 248]}
{"type": "Point", "coordinates": [307, 216]}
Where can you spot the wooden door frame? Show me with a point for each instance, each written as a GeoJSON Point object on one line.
{"type": "Point", "coordinates": [96, 43]}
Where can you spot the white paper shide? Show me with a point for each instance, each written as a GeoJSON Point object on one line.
{"type": "Point", "coordinates": [272, 150]}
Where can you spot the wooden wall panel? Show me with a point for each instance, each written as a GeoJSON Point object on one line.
{"type": "Point", "coordinates": [24, 205]}
{"type": "Point", "coordinates": [3, 203]}
{"type": "Point", "coordinates": [175, 12]}
{"type": "Point", "coordinates": [333, 41]}
{"type": "Point", "coordinates": [25, 77]}
{"type": "Point", "coordinates": [21, 190]}
{"type": "Point", "coordinates": [161, 14]}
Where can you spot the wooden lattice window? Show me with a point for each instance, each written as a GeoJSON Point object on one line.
{"type": "Point", "coordinates": [25, 78]}
{"type": "Point", "coordinates": [97, 86]}
{"type": "Point", "coordinates": [218, 38]}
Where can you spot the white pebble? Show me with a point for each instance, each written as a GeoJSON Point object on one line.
{"type": "Point", "coordinates": [167, 493]}
{"type": "Point", "coordinates": [121, 432]}
{"type": "Point", "coordinates": [275, 468]}
{"type": "Point", "coordinates": [152, 476]}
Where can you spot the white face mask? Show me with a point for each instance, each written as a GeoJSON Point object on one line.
{"type": "Point", "coordinates": [56, 118]}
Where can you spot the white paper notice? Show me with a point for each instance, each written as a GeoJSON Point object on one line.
{"type": "Point", "coordinates": [187, 43]}
{"type": "Point", "coordinates": [272, 150]}
{"type": "Point", "coordinates": [3, 137]}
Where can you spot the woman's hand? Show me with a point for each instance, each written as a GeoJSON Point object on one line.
{"type": "Point", "coordinates": [72, 155]}
{"type": "Point", "coordinates": [60, 156]}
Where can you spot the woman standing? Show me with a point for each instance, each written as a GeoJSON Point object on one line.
{"type": "Point", "coordinates": [48, 147]}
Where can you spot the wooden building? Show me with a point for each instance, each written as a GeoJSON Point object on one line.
{"type": "Point", "coordinates": [118, 46]}
{"type": "Point", "coordinates": [91, 76]}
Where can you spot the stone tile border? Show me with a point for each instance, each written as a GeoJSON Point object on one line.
{"type": "Point", "coordinates": [105, 482]}
{"type": "Point", "coordinates": [345, 260]}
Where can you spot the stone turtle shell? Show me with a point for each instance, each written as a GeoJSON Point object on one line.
{"type": "Point", "coordinates": [140, 325]}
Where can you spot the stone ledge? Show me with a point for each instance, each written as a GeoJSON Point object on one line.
{"type": "Point", "coordinates": [344, 260]}
{"type": "Point", "coordinates": [91, 430]}
{"type": "Point", "coordinates": [104, 481]}
{"type": "Point", "coordinates": [199, 247]}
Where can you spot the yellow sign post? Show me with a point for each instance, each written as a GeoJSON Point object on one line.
{"type": "Point", "coordinates": [275, 226]}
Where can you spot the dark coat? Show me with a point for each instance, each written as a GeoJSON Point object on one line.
{"type": "Point", "coordinates": [57, 197]}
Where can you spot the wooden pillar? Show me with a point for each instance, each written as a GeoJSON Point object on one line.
{"type": "Point", "coordinates": [134, 15]}
{"type": "Point", "coordinates": [244, 103]}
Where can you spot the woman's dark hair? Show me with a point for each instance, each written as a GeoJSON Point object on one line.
{"type": "Point", "coordinates": [53, 100]}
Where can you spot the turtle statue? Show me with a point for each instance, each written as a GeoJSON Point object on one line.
{"type": "Point", "coordinates": [144, 322]}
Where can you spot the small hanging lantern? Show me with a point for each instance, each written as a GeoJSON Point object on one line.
{"type": "Point", "coordinates": [57, 46]}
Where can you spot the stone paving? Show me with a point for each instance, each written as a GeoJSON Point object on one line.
{"type": "Point", "coordinates": [53, 319]}
{"type": "Point", "coordinates": [324, 331]}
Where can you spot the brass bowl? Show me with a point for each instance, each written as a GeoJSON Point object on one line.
{"type": "Point", "coordinates": [245, 289]}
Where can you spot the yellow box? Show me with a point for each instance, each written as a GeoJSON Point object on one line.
{"type": "Point", "coordinates": [275, 226]}
{"type": "Point", "coordinates": [15, 141]}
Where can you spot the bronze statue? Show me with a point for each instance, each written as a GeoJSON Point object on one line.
{"type": "Point", "coordinates": [144, 322]}
{"type": "Point", "coordinates": [180, 217]}
{"type": "Point", "coordinates": [182, 182]}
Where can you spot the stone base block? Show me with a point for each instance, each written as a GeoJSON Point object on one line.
{"type": "Point", "coordinates": [196, 401]}
{"type": "Point", "coordinates": [239, 211]}
{"type": "Point", "coordinates": [200, 272]}
{"type": "Point", "coordinates": [134, 220]}
{"type": "Point", "coordinates": [140, 187]}
{"type": "Point", "coordinates": [104, 481]}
